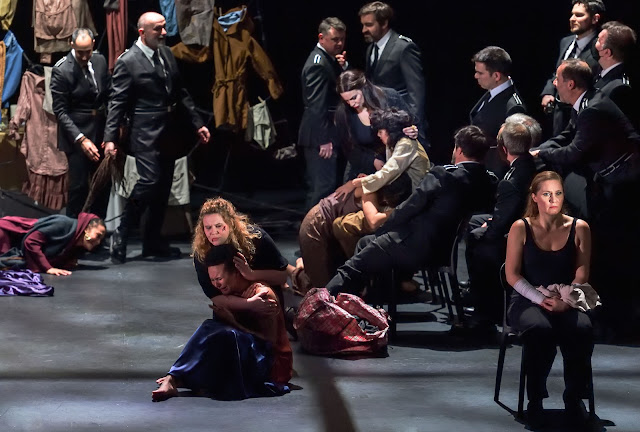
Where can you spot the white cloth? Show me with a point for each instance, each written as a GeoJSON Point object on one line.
{"type": "Point", "coordinates": [179, 188]}
{"type": "Point", "coordinates": [579, 296]}
{"type": "Point", "coordinates": [260, 126]}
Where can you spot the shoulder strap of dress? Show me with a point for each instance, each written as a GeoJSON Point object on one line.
{"type": "Point", "coordinates": [573, 227]}
{"type": "Point", "coordinates": [527, 229]}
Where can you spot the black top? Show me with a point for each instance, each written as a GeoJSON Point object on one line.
{"type": "Point", "coordinates": [267, 257]}
{"type": "Point", "coordinates": [543, 267]}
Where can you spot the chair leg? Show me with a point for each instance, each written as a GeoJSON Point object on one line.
{"type": "Point", "coordinates": [445, 290]}
{"type": "Point", "coordinates": [457, 300]}
{"type": "Point", "coordinates": [501, 355]}
{"type": "Point", "coordinates": [592, 401]}
{"type": "Point", "coordinates": [392, 306]}
{"type": "Point", "coordinates": [523, 381]}
{"type": "Point", "coordinates": [428, 285]}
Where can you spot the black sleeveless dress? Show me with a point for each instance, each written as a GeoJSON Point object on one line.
{"type": "Point", "coordinates": [543, 267]}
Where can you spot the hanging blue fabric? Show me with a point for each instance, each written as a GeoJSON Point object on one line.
{"type": "Point", "coordinates": [13, 67]}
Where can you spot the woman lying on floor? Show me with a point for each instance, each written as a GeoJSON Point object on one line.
{"type": "Point", "coordinates": [50, 244]}
{"type": "Point", "coordinates": [235, 355]}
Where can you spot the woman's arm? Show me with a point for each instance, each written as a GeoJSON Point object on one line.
{"type": "Point", "coordinates": [269, 277]}
{"type": "Point", "coordinates": [583, 249]}
{"type": "Point", "coordinates": [513, 263]}
{"type": "Point", "coordinates": [258, 303]}
{"type": "Point", "coordinates": [33, 253]}
{"type": "Point", "coordinates": [403, 154]}
{"type": "Point", "coordinates": [372, 215]}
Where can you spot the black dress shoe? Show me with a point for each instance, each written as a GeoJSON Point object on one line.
{"type": "Point", "coordinates": [162, 252]}
{"type": "Point", "coordinates": [534, 415]}
{"type": "Point", "coordinates": [118, 248]}
{"type": "Point", "coordinates": [576, 412]}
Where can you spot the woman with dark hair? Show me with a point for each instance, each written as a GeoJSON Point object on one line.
{"type": "Point", "coordinates": [548, 247]}
{"type": "Point", "coordinates": [403, 153]}
{"type": "Point", "coordinates": [53, 243]}
{"type": "Point", "coordinates": [359, 142]}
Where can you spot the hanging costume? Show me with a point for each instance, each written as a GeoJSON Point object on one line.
{"type": "Point", "coordinates": [233, 48]}
{"type": "Point", "coordinates": [46, 242]}
{"type": "Point", "coordinates": [47, 166]}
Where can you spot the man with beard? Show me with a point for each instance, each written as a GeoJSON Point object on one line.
{"type": "Point", "coordinates": [147, 87]}
{"type": "Point", "coordinates": [584, 24]}
{"type": "Point", "coordinates": [394, 61]}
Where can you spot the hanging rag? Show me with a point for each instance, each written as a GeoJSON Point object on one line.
{"type": "Point", "coordinates": [53, 23]}
{"type": "Point", "coordinates": [233, 49]}
{"type": "Point", "coordinates": [180, 194]}
{"type": "Point", "coordinates": [168, 8]}
{"type": "Point", "coordinates": [260, 127]}
{"type": "Point", "coordinates": [7, 12]}
{"type": "Point", "coordinates": [47, 103]}
{"type": "Point", "coordinates": [13, 67]}
{"type": "Point", "coordinates": [195, 18]}
{"type": "Point", "coordinates": [116, 29]}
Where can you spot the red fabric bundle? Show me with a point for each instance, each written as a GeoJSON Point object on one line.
{"type": "Point", "coordinates": [328, 326]}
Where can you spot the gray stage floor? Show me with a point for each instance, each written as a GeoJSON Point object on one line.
{"type": "Point", "coordinates": [86, 360]}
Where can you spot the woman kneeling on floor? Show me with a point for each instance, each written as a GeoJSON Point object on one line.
{"type": "Point", "coordinates": [548, 247]}
{"type": "Point", "coordinates": [236, 355]}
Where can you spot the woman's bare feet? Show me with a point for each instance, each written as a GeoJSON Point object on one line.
{"type": "Point", "coordinates": [299, 263]}
{"type": "Point", "coordinates": [168, 388]}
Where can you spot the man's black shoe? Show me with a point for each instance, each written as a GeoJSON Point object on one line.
{"type": "Point", "coordinates": [576, 411]}
{"type": "Point", "coordinates": [535, 414]}
{"type": "Point", "coordinates": [162, 252]}
{"type": "Point", "coordinates": [118, 248]}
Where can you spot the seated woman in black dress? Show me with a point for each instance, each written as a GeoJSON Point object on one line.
{"type": "Point", "coordinates": [363, 149]}
{"type": "Point", "coordinates": [548, 247]}
{"type": "Point", "coordinates": [258, 256]}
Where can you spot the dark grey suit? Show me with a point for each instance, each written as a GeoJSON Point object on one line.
{"type": "Point", "coordinates": [319, 76]}
{"type": "Point", "coordinates": [80, 108]}
{"type": "Point", "coordinates": [422, 228]}
{"type": "Point", "coordinates": [400, 67]}
{"type": "Point", "coordinates": [615, 84]}
{"type": "Point", "coordinates": [490, 117]}
{"type": "Point", "coordinates": [562, 112]}
{"type": "Point", "coordinates": [151, 103]}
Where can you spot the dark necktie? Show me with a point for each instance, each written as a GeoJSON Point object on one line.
{"type": "Point", "coordinates": [376, 52]}
{"type": "Point", "coordinates": [572, 50]}
{"type": "Point", "coordinates": [89, 78]}
{"type": "Point", "coordinates": [158, 67]}
{"type": "Point", "coordinates": [485, 98]}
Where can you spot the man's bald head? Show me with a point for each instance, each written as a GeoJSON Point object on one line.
{"type": "Point", "coordinates": [151, 28]}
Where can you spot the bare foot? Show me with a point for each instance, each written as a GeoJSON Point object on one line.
{"type": "Point", "coordinates": [409, 286]}
{"type": "Point", "coordinates": [168, 389]}
{"type": "Point", "coordinates": [299, 263]}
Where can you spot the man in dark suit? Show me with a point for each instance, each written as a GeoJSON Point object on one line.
{"type": "Point", "coordinates": [394, 61]}
{"type": "Point", "coordinates": [492, 68]}
{"type": "Point", "coordinates": [419, 229]}
{"type": "Point", "coordinates": [584, 24]}
{"type": "Point", "coordinates": [614, 44]}
{"type": "Point", "coordinates": [597, 142]}
{"type": "Point", "coordinates": [79, 88]}
{"type": "Point", "coordinates": [317, 130]}
{"type": "Point", "coordinates": [147, 87]}
{"type": "Point", "coordinates": [486, 243]}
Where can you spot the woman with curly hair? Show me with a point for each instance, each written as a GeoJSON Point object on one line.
{"type": "Point", "coordinates": [258, 257]}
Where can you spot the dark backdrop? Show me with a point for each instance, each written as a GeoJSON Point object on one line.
{"type": "Point", "coordinates": [448, 33]}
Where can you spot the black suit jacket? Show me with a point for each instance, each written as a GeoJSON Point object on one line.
{"type": "Point", "coordinates": [150, 102]}
{"type": "Point", "coordinates": [494, 112]}
{"type": "Point", "coordinates": [511, 197]}
{"type": "Point", "coordinates": [78, 108]}
{"type": "Point", "coordinates": [615, 84]}
{"type": "Point", "coordinates": [427, 221]}
{"type": "Point", "coordinates": [319, 76]}
{"type": "Point", "coordinates": [600, 134]}
{"type": "Point", "coordinates": [400, 67]}
{"type": "Point", "coordinates": [586, 55]}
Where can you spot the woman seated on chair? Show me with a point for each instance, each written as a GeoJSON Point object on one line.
{"type": "Point", "coordinates": [235, 355]}
{"type": "Point", "coordinates": [50, 244]}
{"type": "Point", "coordinates": [258, 257]}
{"type": "Point", "coordinates": [549, 247]}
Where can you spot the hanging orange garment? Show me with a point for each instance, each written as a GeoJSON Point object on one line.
{"type": "Point", "coordinates": [116, 31]}
{"type": "Point", "coordinates": [233, 50]}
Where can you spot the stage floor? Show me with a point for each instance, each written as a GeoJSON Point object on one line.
{"type": "Point", "coordinates": [86, 360]}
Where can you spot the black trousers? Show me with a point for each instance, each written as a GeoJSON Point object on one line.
{"type": "Point", "coordinates": [542, 331]}
{"type": "Point", "coordinates": [375, 255]}
{"type": "Point", "coordinates": [484, 258]}
{"type": "Point", "coordinates": [149, 197]}
{"type": "Point", "coordinates": [81, 169]}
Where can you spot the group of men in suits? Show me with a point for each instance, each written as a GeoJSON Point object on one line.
{"type": "Point", "coordinates": [145, 94]}
{"type": "Point", "coordinates": [392, 61]}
